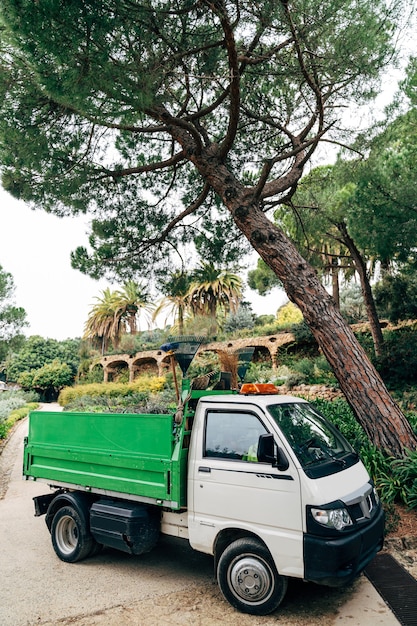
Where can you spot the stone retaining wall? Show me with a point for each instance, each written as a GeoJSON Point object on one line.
{"type": "Point", "coordinates": [312, 392]}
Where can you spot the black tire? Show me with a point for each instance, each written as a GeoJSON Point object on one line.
{"type": "Point", "coordinates": [248, 578]}
{"type": "Point", "coordinates": [71, 539]}
{"type": "Point", "coordinates": [96, 548]}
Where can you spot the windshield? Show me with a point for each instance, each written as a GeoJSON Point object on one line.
{"type": "Point", "coordinates": [318, 445]}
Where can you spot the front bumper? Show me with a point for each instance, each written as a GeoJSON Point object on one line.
{"type": "Point", "coordinates": [335, 561]}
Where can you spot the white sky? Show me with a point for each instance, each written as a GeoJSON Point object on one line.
{"type": "Point", "coordinates": [35, 249]}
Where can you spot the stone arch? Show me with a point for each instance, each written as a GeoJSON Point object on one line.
{"type": "Point", "coordinates": [95, 368]}
{"type": "Point", "coordinates": [262, 354]}
{"type": "Point", "coordinates": [144, 365]}
{"type": "Point", "coordinates": [115, 368]}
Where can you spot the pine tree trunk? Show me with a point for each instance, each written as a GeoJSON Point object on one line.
{"type": "Point", "coordinates": [367, 395]}
{"type": "Point", "coordinates": [335, 282]}
{"type": "Point", "coordinates": [368, 298]}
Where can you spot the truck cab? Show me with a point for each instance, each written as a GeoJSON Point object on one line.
{"type": "Point", "coordinates": [305, 496]}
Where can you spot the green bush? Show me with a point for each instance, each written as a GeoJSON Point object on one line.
{"type": "Point", "coordinates": [9, 404]}
{"type": "Point", "coordinates": [147, 394]}
{"type": "Point", "coordinates": [312, 371]}
{"type": "Point", "coordinates": [15, 416]}
{"type": "Point", "coordinates": [150, 384]}
{"type": "Point", "coordinates": [260, 372]}
{"type": "Point", "coordinates": [398, 363]}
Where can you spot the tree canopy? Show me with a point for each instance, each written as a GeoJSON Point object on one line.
{"type": "Point", "coordinates": [120, 98]}
{"type": "Point", "coordinates": [37, 352]}
{"type": "Point", "coordinates": [12, 318]}
{"type": "Point", "coordinates": [166, 119]}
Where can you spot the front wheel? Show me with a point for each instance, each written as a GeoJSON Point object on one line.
{"type": "Point", "coordinates": [71, 539]}
{"type": "Point", "coordinates": [248, 578]}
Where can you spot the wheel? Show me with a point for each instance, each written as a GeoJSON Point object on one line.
{"type": "Point", "coordinates": [71, 539]}
{"type": "Point", "coordinates": [248, 578]}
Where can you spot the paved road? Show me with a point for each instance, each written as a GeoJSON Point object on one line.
{"type": "Point", "coordinates": [172, 585]}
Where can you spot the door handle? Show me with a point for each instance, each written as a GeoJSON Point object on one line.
{"type": "Point", "coordinates": [205, 469]}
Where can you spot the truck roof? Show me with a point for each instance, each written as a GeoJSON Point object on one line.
{"type": "Point", "coordinates": [258, 399]}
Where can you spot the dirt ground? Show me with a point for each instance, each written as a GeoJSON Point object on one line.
{"type": "Point", "coordinates": [402, 542]}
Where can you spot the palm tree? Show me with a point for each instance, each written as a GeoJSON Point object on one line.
{"type": "Point", "coordinates": [213, 288]}
{"type": "Point", "coordinates": [104, 324]}
{"type": "Point", "coordinates": [133, 299]}
{"type": "Point", "coordinates": [114, 309]}
{"type": "Point", "coordinates": [176, 301]}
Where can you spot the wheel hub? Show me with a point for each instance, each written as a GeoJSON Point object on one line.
{"type": "Point", "coordinates": [250, 579]}
{"type": "Point", "coordinates": [67, 534]}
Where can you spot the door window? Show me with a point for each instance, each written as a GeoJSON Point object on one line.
{"type": "Point", "coordinates": [232, 435]}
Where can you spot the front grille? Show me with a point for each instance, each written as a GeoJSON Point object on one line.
{"type": "Point", "coordinates": [364, 507]}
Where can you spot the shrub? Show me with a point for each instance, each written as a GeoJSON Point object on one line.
{"type": "Point", "coordinates": [259, 372]}
{"type": "Point", "coordinates": [311, 371]}
{"type": "Point", "coordinates": [398, 363]}
{"type": "Point", "coordinates": [162, 402]}
{"type": "Point", "coordinates": [242, 319]}
{"type": "Point", "coordinates": [147, 384]}
{"type": "Point", "coordinates": [15, 415]}
{"type": "Point", "coordinates": [9, 404]}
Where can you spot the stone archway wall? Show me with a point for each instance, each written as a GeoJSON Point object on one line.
{"type": "Point", "coordinates": [271, 343]}
{"type": "Point", "coordinates": [157, 360]}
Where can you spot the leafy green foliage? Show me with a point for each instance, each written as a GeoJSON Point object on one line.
{"type": "Point", "coordinates": [14, 405]}
{"type": "Point", "coordinates": [116, 311]}
{"type": "Point", "coordinates": [143, 384]}
{"type": "Point", "coordinates": [241, 319]}
{"type": "Point", "coordinates": [289, 314]}
{"type": "Point", "coordinates": [47, 380]}
{"type": "Point", "coordinates": [37, 352]}
{"type": "Point", "coordinates": [263, 279]}
{"type": "Point", "coordinates": [398, 362]}
{"type": "Point", "coordinates": [386, 190]}
{"type": "Point", "coordinates": [145, 395]}
{"type": "Point", "coordinates": [352, 304]}
{"type": "Point", "coordinates": [91, 85]}
{"type": "Point", "coordinates": [12, 318]}
{"type": "Point", "coordinates": [302, 333]}
{"type": "Point", "coordinates": [395, 479]}
{"type": "Point", "coordinates": [7, 405]}
{"type": "Point", "coordinates": [396, 296]}
{"type": "Point", "coordinates": [15, 416]}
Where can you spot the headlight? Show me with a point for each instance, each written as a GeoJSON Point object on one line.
{"type": "Point", "coordinates": [332, 518]}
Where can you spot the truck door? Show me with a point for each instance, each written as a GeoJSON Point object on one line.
{"type": "Point", "coordinates": [231, 489]}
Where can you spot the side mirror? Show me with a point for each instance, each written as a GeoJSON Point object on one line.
{"type": "Point", "coordinates": [269, 453]}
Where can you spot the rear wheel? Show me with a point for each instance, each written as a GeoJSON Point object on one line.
{"type": "Point", "coordinates": [248, 578]}
{"type": "Point", "coordinates": [71, 539]}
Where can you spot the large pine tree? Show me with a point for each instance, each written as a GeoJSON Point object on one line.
{"type": "Point", "coordinates": [155, 114]}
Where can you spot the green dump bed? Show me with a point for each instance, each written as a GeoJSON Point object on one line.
{"type": "Point", "coordinates": [135, 455]}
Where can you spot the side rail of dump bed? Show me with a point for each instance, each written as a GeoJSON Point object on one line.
{"type": "Point", "coordinates": [137, 455]}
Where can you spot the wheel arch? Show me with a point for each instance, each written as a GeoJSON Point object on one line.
{"type": "Point", "coordinates": [227, 536]}
{"type": "Point", "coordinates": [80, 501]}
